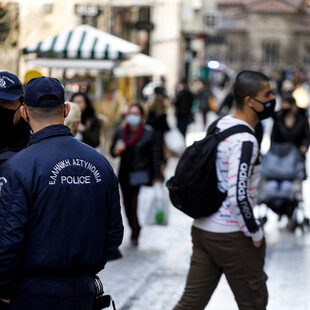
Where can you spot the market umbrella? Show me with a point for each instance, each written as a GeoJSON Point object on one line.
{"type": "Point", "coordinates": [83, 42]}
{"type": "Point", "coordinates": [141, 65]}
{"type": "Point", "coordinates": [84, 47]}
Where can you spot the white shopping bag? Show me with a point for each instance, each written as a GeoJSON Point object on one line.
{"type": "Point", "coordinates": [175, 141]}
{"type": "Point", "coordinates": [153, 205]}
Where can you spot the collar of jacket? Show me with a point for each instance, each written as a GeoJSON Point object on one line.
{"type": "Point", "coordinates": [50, 131]}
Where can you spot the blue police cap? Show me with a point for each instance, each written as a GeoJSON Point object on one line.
{"type": "Point", "coordinates": [40, 88]}
{"type": "Point", "coordinates": [11, 88]}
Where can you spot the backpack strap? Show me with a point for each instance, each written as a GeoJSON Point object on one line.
{"type": "Point", "coordinates": [233, 130]}
{"type": "Point", "coordinates": [213, 127]}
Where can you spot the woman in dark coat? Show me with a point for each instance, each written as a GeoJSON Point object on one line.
{"type": "Point", "coordinates": [139, 165]}
{"type": "Point", "coordinates": [89, 126]}
{"type": "Point", "coordinates": [291, 125]}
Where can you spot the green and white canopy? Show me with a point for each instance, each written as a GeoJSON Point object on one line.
{"type": "Point", "coordinates": [84, 42]}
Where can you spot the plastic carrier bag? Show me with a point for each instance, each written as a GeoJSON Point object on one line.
{"type": "Point", "coordinates": [174, 141]}
{"type": "Point", "coordinates": [153, 205]}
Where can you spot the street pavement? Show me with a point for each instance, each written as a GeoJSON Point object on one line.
{"type": "Point", "coordinates": [152, 275]}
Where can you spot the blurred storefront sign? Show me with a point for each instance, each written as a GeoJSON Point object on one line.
{"type": "Point", "coordinates": [211, 20]}
{"type": "Point", "coordinates": [89, 10]}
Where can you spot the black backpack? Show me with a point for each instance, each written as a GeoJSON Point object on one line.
{"type": "Point", "coordinates": [193, 189]}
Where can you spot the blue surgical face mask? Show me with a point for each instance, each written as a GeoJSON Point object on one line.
{"type": "Point", "coordinates": [133, 119]}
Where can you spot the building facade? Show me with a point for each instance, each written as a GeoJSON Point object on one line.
{"type": "Point", "coordinates": [263, 34]}
{"type": "Point", "coordinates": [9, 35]}
{"type": "Point", "coordinates": [184, 34]}
{"type": "Point", "coordinates": [154, 25]}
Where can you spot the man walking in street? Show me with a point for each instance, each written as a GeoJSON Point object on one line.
{"type": "Point", "coordinates": [230, 241]}
{"type": "Point", "coordinates": [14, 131]}
{"type": "Point", "coordinates": [60, 217]}
{"type": "Point", "coordinates": [183, 104]}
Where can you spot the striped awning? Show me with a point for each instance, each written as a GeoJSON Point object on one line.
{"type": "Point", "coordinates": [84, 42]}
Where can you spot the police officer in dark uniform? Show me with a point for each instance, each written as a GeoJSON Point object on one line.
{"type": "Point", "coordinates": [60, 217]}
{"type": "Point", "coordinates": [14, 131]}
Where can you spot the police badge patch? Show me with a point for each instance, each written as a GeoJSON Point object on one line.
{"type": "Point", "coordinates": [2, 83]}
{"type": "Point", "coordinates": [3, 180]}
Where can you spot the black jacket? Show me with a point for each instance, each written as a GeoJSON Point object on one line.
{"type": "Point", "coordinates": [59, 210]}
{"type": "Point", "coordinates": [142, 155]}
{"type": "Point", "coordinates": [159, 123]}
{"type": "Point", "coordinates": [183, 103]}
{"type": "Point", "coordinates": [91, 135]}
{"type": "Point", "coordinates": [299, 134]}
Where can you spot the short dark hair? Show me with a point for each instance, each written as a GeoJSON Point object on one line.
{"type": "Point", "coordinates": [289, 98]}
{"type": "Point", "coordinates": [40, 113]}
{"type": "Point", "coordinates": [248, 83]}
{"type": "Point", "coordinates": [139, 106]}
{"type": "Point", "coordinates": [89, 112]}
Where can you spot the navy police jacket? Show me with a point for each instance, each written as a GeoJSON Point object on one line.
{"type": "Point", "coordinates": [59, 210]}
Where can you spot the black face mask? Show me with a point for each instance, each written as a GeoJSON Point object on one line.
{"type": "Point", "coordinates": [268, 111]}
{"type": "Point", "coordinates": [286, 111]}
{"type": "Point", "coordinates": [12, 135]}
{"type": "Point", "coordinates": [6, 118]}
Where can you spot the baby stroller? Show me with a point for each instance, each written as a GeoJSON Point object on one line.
{"type": "Point", "coordinates": [280, 188]}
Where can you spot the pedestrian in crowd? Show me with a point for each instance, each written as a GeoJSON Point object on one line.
{"type": "Point", "coordinates": [89, 127]}
{"type": "Point", "coordinates": [74, 117]}
{"type": "Point", "coordinates": [231, 241]}
{"type": "Point", "coordinates": [161, 90]}
{"type": "Point", "coordinates": [140, 165]}
{"type": "Point", "coordinates": [291, 125]}
{"type": "Point", "coordinates": [196, 86]}
{"type": "Point", "coordinates": [207, 101]}
{"type": "Point", "coordinates": [14, 131]}
{"type": "Point", "coordinates": [183, 107]}
{"type": "Point", "coordinates": [157, 119]}
{"type": "Point", "coordinates": [59, 210]}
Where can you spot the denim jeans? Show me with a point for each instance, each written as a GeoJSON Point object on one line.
{"type": "Point", "coordinates": [54, 293]}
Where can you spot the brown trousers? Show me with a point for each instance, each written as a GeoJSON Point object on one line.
{"type": "Point", "coordinates": [232, 254]}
